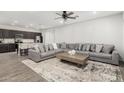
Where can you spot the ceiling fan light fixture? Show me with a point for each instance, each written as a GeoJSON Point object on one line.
{"type": "Point", "coordinates": [61, 21]}
{"type": "Point", "coordinates": [66, 15]}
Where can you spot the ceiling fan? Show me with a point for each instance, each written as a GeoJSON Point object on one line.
{"type": "Point", "coordinates": [66, 15]}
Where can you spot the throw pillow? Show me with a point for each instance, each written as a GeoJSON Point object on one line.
{"type": "Point", "coordinates": [50, 46]}
{"type": "Point", "coordinates": [108, 49]}
{"type": "Point", "coordinates": [84, 47]}
{"type": "Point", "coordinates": [99, 48]}
{"type": "Point", "coordinates": [58, 45]}
{"type": "Point", "coordinates": [41, 47]}
{"type": "Point", "coordinates": [63, 45]}
{"type": "Point", "coordinates": [55, 46]}
{"type": "Point", "coordinates": [80, 47]}
{"type": "Point", "coordinates": [87, 47]}
{"type": "Point", "coordinates": [92, 47]}
{"type": "Point", "coordinates": [36, 48]}
{"type": "Point", "coordinates": [76, 46]}
{"type": "Point", "coordinates": [71, 46]}
{"type": "Point", "coordinates": [46, 48]}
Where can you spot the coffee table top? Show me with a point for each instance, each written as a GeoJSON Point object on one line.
{"type": "Point", "coordinates": [77, 58]}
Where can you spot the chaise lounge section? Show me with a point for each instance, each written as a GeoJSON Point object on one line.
{"type": "Point", "coordinates": [97, 52]}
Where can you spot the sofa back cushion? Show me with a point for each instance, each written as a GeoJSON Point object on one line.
{"type": "Point", "coordinates": [46, 48]}
{"type": "Point", "coordinates": [80, 47]}
{"type": "Point", "coordinates": [63, 45]}
{"type": "Point", "coordinates": [98, 48]}
{"type": "Point", "coordinates": [71, 46]}
{"type": "Point", "coordinates": [87, 47]}
{"type": "Point", "coordinates": [50, 47]}
{"type": "Point", "coordinates": [55, 46]}
{"type": "Point", "coordinates": [92, 47]}
{"type": "Point", "coordinates": [84, 47]}
{"type": "Point", "coordinates": [58, 45]}
{"type": "Point", "coordinates": [108, 49]}
{"type": "Point", "coordinates": [41, 47]}
{"type": "Point", "coordinates": [36, 48]}
{"type": "Point", "coordinates": [76, 46]}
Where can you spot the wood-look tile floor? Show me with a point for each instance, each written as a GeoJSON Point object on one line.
{"type": "Point", "coordinates": [122, 69]}
{"type": "Point", "coordinates": [12, 70]}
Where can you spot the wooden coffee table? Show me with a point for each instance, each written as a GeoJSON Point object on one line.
{"type": "Point", "coordinates": [79, 59]}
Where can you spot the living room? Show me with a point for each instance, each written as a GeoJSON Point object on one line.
{"type": "Point", "coordinates": [64, 46]}
{"type": "Point", "coordinates": [68, 42]}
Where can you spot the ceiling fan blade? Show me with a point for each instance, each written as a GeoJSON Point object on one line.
{"type": "Point", "coordinates": [72, 17]}
{"type": "Point", "coordinates": [58, 18]}
{"type": "Point", "coordinates": [70, 13]}
{"type": "Point", "coordinates": [58, 14]}
{"type": "Point", "coordinates": [76, 16]}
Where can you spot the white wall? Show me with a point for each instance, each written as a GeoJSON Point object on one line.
{"type": "Point", "coordinates": [49, 36]}
{"type": "Point", "coordinates": [106, 30]}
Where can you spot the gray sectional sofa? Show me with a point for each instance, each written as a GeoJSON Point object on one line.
{"type": "Point", "coordinates": [97, 52]}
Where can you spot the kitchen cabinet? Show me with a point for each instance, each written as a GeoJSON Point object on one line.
{"type": "Point", "coordinates": [12, 47]}
{"type": "Point", "coordinates": [5, 33]}
{"type": "Point", "coordinates": [7, 48]}
{"type": "Point", "coordinates": [1, 34]}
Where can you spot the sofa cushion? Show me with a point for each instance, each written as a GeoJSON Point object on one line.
{"type": "Point", "coordinates": [100, 55]}
{"type": "Point", "coordinates": [108, 49]}
{"type": "Point", "coordinates": [92, 47]}
{"type": "Point", "coordinates": [46, 54]}
{"type": "Point", "coordinates": [63, 45]}
{"type": "Point", "coordinates": [55, 46]}
{"type": "Point", "coordinates": [76, 46]}
{"type": "Point", "coordinates": [59, 50]}
{"type": "Point", "coordinates": [87, 47]}
{"type": "Point", "coordinates": [58, 45]}
{"type": "Point", "coordinates": [84, 47]}
{"type": "Point", "coordinates": [46, 48]}
{"type": "Point", "coordinates": [71, 46]}
{"type": "Point", "coordinates": [36, 48]}
{"type": "Point", "coordinates": [83, 52]}
{"type": "Point", "coordinates": [98, 48]}
{"type": "Point", "coordinates": [80, 47]}
{"type": "Point", "coordinates": [41, 47]}
{"type": "Point", "coordinates": [51, 47]}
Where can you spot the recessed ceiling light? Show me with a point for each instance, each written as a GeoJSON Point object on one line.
{"type": "Point", "coordinates": [61, 21]}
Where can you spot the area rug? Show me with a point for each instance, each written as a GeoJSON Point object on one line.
{"type": "Point", "coordinates": [54, 70]}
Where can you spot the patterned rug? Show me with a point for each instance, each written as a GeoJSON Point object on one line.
{"type": "Point", "coordinates": [55, 71]}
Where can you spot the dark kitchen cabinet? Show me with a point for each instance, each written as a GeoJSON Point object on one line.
{"type": "Point", "coordinates": [1, 34]}
{"type": "Point", "coordinates": [29, 35]}
{"type": "Point", "coordinates": [12, 34]}
{"type": "Point", "coordinates": [4, 48]}
{"type": "Point", "coordinates": [26, 35]}
{"type": "Point", "coordinates": [12, 47]}
{"type": "Point", "coordinates": [7, 48]}
{"type": "Point", "coordinates": [5, 33]}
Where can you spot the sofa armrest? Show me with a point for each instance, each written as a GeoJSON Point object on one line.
{"type": "Point", "coordinates": [33, 55]}
{"type": "Point", "coordinates": [115, 57]}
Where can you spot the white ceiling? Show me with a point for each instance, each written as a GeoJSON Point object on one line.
{"type": "Point", "coordinates": [45, 19]}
